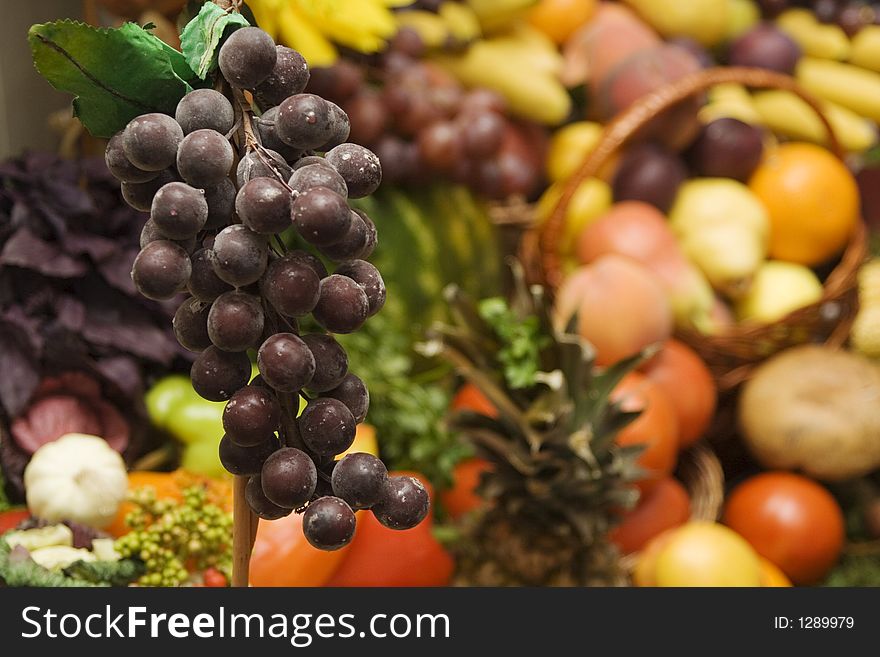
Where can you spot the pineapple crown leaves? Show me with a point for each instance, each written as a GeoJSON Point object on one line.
{"type": "Point", "coordinates": [553, 438]}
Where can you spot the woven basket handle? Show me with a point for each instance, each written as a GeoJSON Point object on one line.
{"type": "Point", "coordinates": [630, 121]}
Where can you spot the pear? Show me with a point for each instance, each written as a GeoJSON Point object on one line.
{"type": "Point", "coordinates": [724, 229]}
{"type": "Point", "coordinates": [778, 289]}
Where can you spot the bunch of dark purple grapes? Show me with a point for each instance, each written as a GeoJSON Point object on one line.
{"type": "Point", "coordinates": [217, 237]}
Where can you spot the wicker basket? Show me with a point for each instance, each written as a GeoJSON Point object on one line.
{"type": "Point", "coordinates": [732, 355]}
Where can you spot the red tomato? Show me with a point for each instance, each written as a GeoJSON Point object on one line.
{"type": "Point", "coordinates": [664, 507]}
{"type": "Point", "coordinates": [283, 557]}
{"type": "Point", "coordinates": [791, 521]}
{"type": "Point", "coordinates": [656, 428]}
{"type": "Point", "coordinates": [686, 380]}
{"type": "Point", "coordinates": [378, 556]}
{"type": "Point", "coordinates": [214, 578]}
{"type": "Point", "coordinates": [462, 498]}
{"type": "Point", "coordinates": [10, 519]}
{"type": "Point", "coordinates": [469, 397]}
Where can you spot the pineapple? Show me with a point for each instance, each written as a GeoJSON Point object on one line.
{"type": "Point", "coordinates": [557, 474]}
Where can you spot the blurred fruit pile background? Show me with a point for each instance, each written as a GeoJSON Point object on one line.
{"type": "Point", "coordinates": [633, 456]}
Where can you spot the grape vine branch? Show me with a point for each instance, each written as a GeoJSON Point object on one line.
{"type": "Point", "coordinates": [244, 521]}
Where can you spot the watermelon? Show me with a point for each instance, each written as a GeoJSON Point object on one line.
{"type": "Point", "coordinates": [429, 238]}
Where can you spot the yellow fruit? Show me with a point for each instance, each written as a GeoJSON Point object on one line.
{"type": "Point", "coordinates": [743, 15]}
{"type": "Point", "coordinates": [703, 20]}
{"type": "Point", "coordinates": [853, 87]}
{"type": "Point", "coordinates": [772, 576]}
{"type": "Point", "coordinates": [786, 114]}
{"type": "Point", "coordinates": [869, 283]}
{"type": "Point", "coordinates": [364, 441]}
{"type": "Point", "coordinates": [559, 19]}
{"type": "Point", "coordinates": [298, 33]}
{"type": "Point", "coordinates": [866, 48]}
{"type": "Point", "coordinates": [865, 333]}
{"type": "Point", "coordinates": [777, 289]}
{"type": "Point", "coordinates": [590, 201]}
{"type": "Point", "coordinates": [723, 229]}
{"type": "Point", "coordinates": [730, 100]}
{"type": "Point", "coordinates": [816, 39]}
{"type": "Point", "coordinates": [502, 64]}
{"type": "Point", "coordinates": [569, 147]}
{"type": "Point", "coordinates": [645, 572]}
{"type": "Point", "coordinates": [707, 554]}
{"type": "Point", "coordinates": [812, 201]}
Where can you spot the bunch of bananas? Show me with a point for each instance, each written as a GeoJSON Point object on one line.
{"type": "Point", "coordinates": [522, 65]}
{"type": "Point", "coordinates": [454, 25]}
{"type": "Point", "coordinates": [315, 27]}
{"type": "Point", "coordinates": [503, 53]}
{"type": "Point", "coordinates": [838, 69]}
{"type": "Point", "coordinates": [785, 114]}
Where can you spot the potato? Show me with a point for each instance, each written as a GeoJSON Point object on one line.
{"type": "Point", "coordinates": [816, 410]}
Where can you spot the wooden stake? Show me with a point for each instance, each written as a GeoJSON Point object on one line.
{"type": "Point", "coordinates": [244, 532]}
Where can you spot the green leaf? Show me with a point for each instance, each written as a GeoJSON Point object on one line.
{"type": "Point", "coordinates": [115, 74]}
{"type": "Point", "coordinates": [201, 36]}
{"type": "Point", "coordinates": [180, 66]}
{"type": "Point", "coordinates": [521, 342]}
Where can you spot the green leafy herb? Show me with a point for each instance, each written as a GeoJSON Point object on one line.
{"type": "Point", "coordinates": [114, 74]}
{"type": "Point", "coordinates": [407, 409]}
{"type": "Point", "coordinates": [522, 342]}
{"type": "Point", "coordinates": [201, 36]}
{"type": "Point", "coordinates": [18, 569]}
{"type": "Point", "coordinates": [115, 573]}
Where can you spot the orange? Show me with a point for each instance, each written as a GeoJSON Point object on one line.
{"type": "Point", "coordinates": [283, 557]}
{"type": "Point", "coordinates": [656, 427]}
{"type": "Point", "coordinates": [772, 576]}
{"type": "Point", "coordinates": [470, 398]}
{"type": "Point", "coordinates": [462, 497]}
{"type": "Point", "coordinates": [664, 507]}
{"type": "Point", "coordinates": [559, 19]}
{"type": "Point", "coordinates": [812, 200]}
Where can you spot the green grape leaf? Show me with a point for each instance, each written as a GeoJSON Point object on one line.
{"type": "Point", "coordinates": [114, 74]}
{"type": "Point", "coordinates": [201, 36]}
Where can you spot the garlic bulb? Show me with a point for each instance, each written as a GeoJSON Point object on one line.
{"type": "Point", "coordinates": [77, 477]}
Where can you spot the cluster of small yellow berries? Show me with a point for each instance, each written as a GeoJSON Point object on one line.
{"type": "Point", "coordinates": [172, 538]}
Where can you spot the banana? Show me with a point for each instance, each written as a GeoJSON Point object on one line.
{"type": "Point", "coordinates": [301, 35]}
{"type": "Point", "coordinates": [815, 39]}
{"type": "Point", "coordinates": [732, 101]}
{"type": "Point", "coordinates": [532, 48]}
{"type": "Point", "coordinates": [360, 24]}
{"type": "Point", "coordinates": [530, 92]}
{"type": "Point", "coordinates": [854, 88]}
{"type": "Point", "coordinates": [786, 114]}
{"type": "Point", "coordinates": [461, 21]}
{"type": "Point", "coordinates": [499, 15]}
{"type": "Point", "coordinates": [707, 21]}
{"type": "Point", "coordinates": [266, 13]}
{"type": "Point", "coordinates": [865, 51]}
{"type": "Point", "coordinates": [431, 28]}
